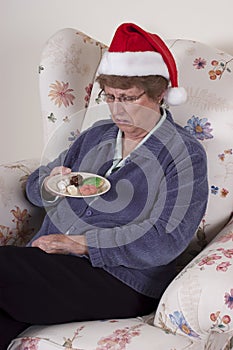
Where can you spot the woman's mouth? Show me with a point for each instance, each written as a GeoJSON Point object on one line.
{"type": "Point", "coordinates": [118, 120]}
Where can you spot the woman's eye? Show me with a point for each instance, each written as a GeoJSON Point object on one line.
{"type": "Point", "coordinates": [128, 99]}
{"type": "Point", "coordinates": [110, 98]}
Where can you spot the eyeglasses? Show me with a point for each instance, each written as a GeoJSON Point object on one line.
{"type": "Point", "coordinates": [123, 98]}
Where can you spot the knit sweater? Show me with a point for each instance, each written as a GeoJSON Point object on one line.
{"type": "Point", "coordinates": [139, 227]}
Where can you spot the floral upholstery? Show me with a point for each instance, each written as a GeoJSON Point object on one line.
{"type": "Point", "coordinates": [19, 219]}
{"type": "Point", "coordinates": [130, 334]}
{"type": "Point", "coordinates": [199, 301]}
{"type": "Point", "coordinates": [196, 310]}
{"type": "Point", "coordinates": [67, 70]}
{"type": "Point", "coordinates": [206, 73]}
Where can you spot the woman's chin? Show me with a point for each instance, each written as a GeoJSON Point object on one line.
{"type": "Point", "coordinates": [132, 131]}
{"type": "Point", "coordinates": [125, 126]}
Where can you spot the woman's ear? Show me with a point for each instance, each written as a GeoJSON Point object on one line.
{"type": "Point", "coordinates": [160, 98]}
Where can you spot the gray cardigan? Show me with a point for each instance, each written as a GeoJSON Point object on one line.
{"type": "Point", "coordinates": [157, 199]}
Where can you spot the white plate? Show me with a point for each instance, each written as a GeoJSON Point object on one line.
{"type": "Point", "coordinates": [52, 184]}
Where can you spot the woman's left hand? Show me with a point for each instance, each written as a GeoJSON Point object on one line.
{"type": "Point", "coordinates": [61, 244]}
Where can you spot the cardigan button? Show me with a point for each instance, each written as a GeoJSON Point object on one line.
{"type": "Point", "coordinates": [89, 212]}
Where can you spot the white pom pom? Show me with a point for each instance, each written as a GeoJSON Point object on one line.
{"type": "Point", "coordinates": [175, 96]}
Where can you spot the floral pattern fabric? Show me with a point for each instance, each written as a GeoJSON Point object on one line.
{"type": "Point", "coordinates": [196, 310]}
{"type": "Point", "coordinates": [200, 299]}
{"type": "Point", "coordinates": [130, 334]}
{"type": "Point", "coordinates": [19, 219]}
{"type": "Point", "coordinates": [210, 101]}
{"type": "Point", "coordinates": [66, 71]}
{"type": "Point", "coordinates": [61, 94]}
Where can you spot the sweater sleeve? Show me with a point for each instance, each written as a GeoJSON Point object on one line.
{"type": "Point", "coordinates": [66, 158]}
{"type": "Point", "coordinates": [35, 181]}
{"type": "Point", "coordinates": [174, 218]}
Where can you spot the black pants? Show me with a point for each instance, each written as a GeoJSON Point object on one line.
{"type": "Point", "coordinates": [40, 288]}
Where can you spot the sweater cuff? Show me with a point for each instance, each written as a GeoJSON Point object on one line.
{"type": "Point", "coordinates": [93, 248]}
{"type": "Point", "coordinates": [46, 196]}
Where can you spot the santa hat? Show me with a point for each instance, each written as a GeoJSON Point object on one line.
{"type": "Point", "coordinates": [135, 52]}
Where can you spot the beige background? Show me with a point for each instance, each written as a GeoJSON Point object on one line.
{"type": "Point", "coordinates": [27, 24]}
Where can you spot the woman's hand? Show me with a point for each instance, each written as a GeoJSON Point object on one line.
{"type": "Point", "coordinates": [60, 170]}
{"type": "Point", "coordinates": [56, 171]}
{"type": "Point", "coordinates": [62, 244]}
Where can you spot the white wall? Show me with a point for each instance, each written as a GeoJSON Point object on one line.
{"type": "Point", "coordinates": [27, 24]}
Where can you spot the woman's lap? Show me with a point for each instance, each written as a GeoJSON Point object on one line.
{"type": "Point", "coordinates": [41, 288]}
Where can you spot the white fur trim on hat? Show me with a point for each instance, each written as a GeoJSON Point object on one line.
{"type": "Point", "coordinates": [175, 96]}
{"type": "Point", "coordinates": [133, 64]}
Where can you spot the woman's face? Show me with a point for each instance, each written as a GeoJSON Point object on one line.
{"type": "Point", "coordinates": [135, 118]}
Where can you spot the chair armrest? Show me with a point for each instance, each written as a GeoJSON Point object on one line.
{"type": "Point", "coordinates": [19, 219]}
{"type": "Point", "coordinates": [199, 301]}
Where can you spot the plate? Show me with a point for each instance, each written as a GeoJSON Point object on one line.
{"type": "Point", "coordinates": [55, 183]}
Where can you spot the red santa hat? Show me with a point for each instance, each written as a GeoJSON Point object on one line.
{"type": "Point", "coordinates": [135, 52]}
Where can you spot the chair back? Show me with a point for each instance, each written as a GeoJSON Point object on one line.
{"type": "Point", "coordinates": [68, 99]}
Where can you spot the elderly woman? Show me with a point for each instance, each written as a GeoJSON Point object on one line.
{"type": "Point", "coordinates": [112, 255]}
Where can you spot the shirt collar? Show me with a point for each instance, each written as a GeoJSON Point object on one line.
{"type": "Point", "coordinates": [163, 131]}
{"type": "Point", "coordinates": [118, 148]}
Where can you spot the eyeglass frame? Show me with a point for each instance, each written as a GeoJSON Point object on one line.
{"type": "Point", "coordinates": [123, 99]}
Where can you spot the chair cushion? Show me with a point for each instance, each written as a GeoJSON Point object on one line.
{"type": "Point", "coordinates": [130, 334]}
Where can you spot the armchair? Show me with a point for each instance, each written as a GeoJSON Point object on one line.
{"type": "Point", "coordinates": [196, 310]}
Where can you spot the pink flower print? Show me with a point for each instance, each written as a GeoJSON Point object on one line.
{"type": "Point", "coordinates": [228, 297]}
{"type": "Point", "coordinates": [228, 151]}
{"type": "Point", "coordinates": [223, 266]}
{"type": "Point", "coordinates": [218, 68]}
{"type": "Point", "coordinates": [5, 235]}
{"type": "Point", "coordinates": [220, 323]}
{"type": "Point", "coordinates": [226, 238]}
{"type": "Point", "coordinates": [119, 339]}
{"type": "Point", "coordinates": [228, 253]}
{"type": "Point", "coordinates": [29, 344]}
{"type": "Point", "coordinates": [87, 97]}
{"type": "Point", "coordinates": [209, 260]}
{"type": "Point", "coordinates": [214, 316]}
{"type": "Point", "coordinates": [61, 94]}
{"type": "Point", "coordinates": [20, 215]}
{"type": "Point", "coordinates": [221, 156]}
{"type": "Point", "coordinates": [226, 319]}
{"type": "Point", "coordinates": [224, 192]}
{"type": "Point", "coordinates": [199, 63]}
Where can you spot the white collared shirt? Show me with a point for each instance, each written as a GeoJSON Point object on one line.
{"type": "Point", "coordinates": [118, 160]}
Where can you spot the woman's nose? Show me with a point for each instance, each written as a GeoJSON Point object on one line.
{"type": "Point", "coordinates": [117, 107]}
